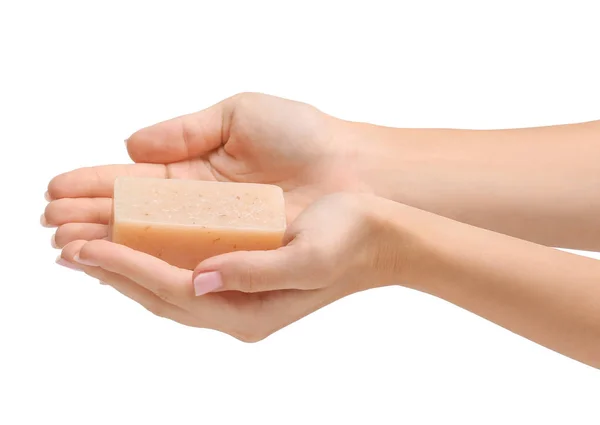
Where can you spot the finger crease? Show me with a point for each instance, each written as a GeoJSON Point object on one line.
{"type": "Point", "coordinates": [185, 137]}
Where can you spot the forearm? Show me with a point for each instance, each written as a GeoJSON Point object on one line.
{"type": "Point", "coordinates": [546, 295]}
{"type": "Point", "coordinates": [539, 184]}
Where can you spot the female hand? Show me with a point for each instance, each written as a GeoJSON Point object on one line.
{"type": "Point", "coordinates": [346, 243]}
{"type": "Point", "coordinates": [247, 138]}
{"type": "Point", "coordinates": [331, 250]}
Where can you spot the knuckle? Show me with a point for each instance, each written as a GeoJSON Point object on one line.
{"type": "Point", "coordinates": [246, 98]}
{"type": "Point", "coordinates": [248, 279]}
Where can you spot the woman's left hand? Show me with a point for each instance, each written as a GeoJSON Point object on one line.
{"type": "Point", "coordinates": [334, 248]}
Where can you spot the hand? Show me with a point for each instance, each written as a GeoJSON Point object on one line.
{"type": "Point", "coordinates": [246, 138]}
{"type": "Point", "coordinates": [331, 250]}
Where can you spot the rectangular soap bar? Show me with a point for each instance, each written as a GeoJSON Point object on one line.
{"type": "Point", "coordinates": [186, 221]}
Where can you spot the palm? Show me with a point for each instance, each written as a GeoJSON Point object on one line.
{"type": "Point", "coordinates": [290, 144]}
{"type": "Point", "coordinates": [247, 138]}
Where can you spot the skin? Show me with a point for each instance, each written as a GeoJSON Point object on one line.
{"type": "Point", "coordinates": [459, 174]}
{"type": "Point", "coordinates": [543, 294]}
{"type": "Point", "coordinates": [246, 138]}
{"type": "Point", "coordinates": [264, 291]}
{"type": "Point", "coordinates": [538, 184]}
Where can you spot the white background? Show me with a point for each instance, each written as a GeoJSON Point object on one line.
{"type": "Point", "coordinates": [78, 77]}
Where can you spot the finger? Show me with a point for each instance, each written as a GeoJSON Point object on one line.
{"type": "Point", "coordinates": [130, 289]}
{"type": "Point", "coordinates": [78, 231]}
{"type": "Point", "coordinates": [169, 283]}
{"type": "Point", "coordinates": [181, 138]}
{"type": "Point", "coordinates": [290, 267]}
{"type": "Point", "coordinates": [145, 298]}
{"type": "Point", "coordinates": [98, 182]}
{"type": "Point", "coordinates": [65, 258]}
{"type": "Point", "coordinates": [80, 210]}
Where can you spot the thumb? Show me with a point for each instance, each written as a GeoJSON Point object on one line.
{"type": "Point", "coordinates": [181, 138]}
{"type": "Point", "coordinates": [255, 271]}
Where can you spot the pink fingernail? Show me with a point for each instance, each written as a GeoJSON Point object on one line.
{"type": "Point", "coordinates": [53, 241]}
{"type": "Point", "coordinates": [62, 262]}
{"type": "Point", "coordinates": [207, 282]}
{"type": "Point", "coordinates": [84, 262]}
{"type": "Point", "coordinates": [47, 197]}
{"type": "Point", "coordinates": [126, 140]}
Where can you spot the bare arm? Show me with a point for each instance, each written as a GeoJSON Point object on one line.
{"type": "Point", "coordinates": [546, 295]}
{"type": "Point", "coordinates": [539, 184]}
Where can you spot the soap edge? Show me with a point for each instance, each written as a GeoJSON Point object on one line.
{"type": "Point", "coordinates": [121, 179]}
{"type": "Point", "coordinates": [144, 223]}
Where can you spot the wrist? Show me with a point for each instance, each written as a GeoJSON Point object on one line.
{"type": "Point", "coordinates": [410, 246]}
{"type": "Point", "coordinates": [394, 241]}
{"type": "Point", "coordinates": [375, 154]}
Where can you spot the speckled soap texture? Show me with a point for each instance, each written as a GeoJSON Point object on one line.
{"type": "Point", "coordinates": [185, 221]}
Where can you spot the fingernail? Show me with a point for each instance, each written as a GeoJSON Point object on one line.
{"type": "Point", "coordinates": [84, 262]}
{"type": "Point", "coordinates": [207, 282]}
{"type": "Point", "coordinates": [53, 241]}
{"type": "Point", "coordinates": [102, 283]}
{"type": "Point", "coordinates": [43, 221]}
{"type": "Point", "coordinates": [126, 140]}
{"type": "Point", "coordinates": [47, 197]}
{"type": "Point", "coordinates": [62, 262]}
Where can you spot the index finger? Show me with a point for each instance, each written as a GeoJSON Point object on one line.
{"type": "Point", "coordinates": [170, 283]}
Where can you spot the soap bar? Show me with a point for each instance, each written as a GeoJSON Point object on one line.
{"type": "Point", "coordinates": [186, 221]}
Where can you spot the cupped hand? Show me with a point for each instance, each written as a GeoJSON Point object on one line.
{"type": "Point", "coordinates": [249, 137]}
{"type": "Point", "coordinates": [333, 249]}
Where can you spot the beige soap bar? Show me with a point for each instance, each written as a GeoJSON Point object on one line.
{"type": "Point", "coordinates": [185, 221]}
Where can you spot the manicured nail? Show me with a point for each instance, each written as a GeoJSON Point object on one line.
{"type": "Point", "coordinates": [62, 262]}
{"type": "Point", "coordinates": [44, 222]}
{"type": "Point", "coordinates": [47, 197]}
{"type": "Point", "coordinates": [84, 262]}
{"type": "Point", "coordinates": [53, 241]}
{"type": "Point", "coordinates": [207, 282]}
